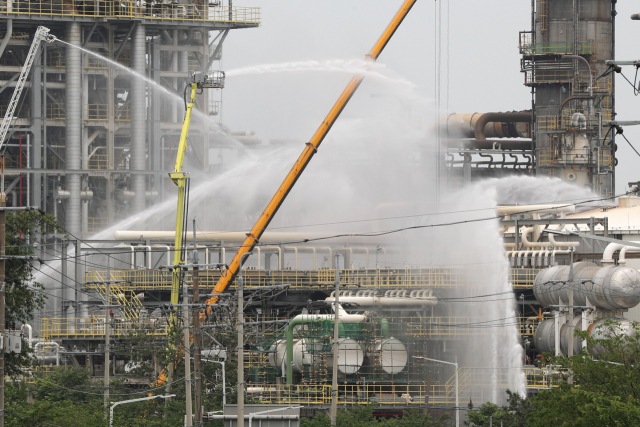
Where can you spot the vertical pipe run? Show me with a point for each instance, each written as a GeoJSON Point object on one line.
{"type": "Point", "coordinates": [336, 338]}
{"type": "Point", "coordinates": [73, 128]}
{"type": "Point", "coordinates": [138, 119]}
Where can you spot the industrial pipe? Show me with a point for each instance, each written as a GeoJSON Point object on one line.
{"type": "Point", "coordinates": [492, 144]}
{"type": "Point", "coordinates": [390, 299]}
{"type": "Point", "coordinates": [521, 117]}
{"type": "Point", "coordinates": [623, 252]}
{"type": "Point", "coordinates": [73, 130]}
{"type": "Point", "coordinates": [7, 36]}
{"type": "Point", "coordinates": [607, 255]}
{"type": "Point", "coordinates": [466, 126]}
{"type": "Point", "coordinates": [138, 118]}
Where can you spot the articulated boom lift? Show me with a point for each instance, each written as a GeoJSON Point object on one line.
{"type": "Point", "coordinates": [199, 81]}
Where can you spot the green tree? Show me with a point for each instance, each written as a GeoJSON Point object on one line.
{"type": "Point", "coordinates": [23, 295]}
{"type": "Point", "coordinates": [512, 415]}
{"type": "Point", "coordinates": [601, 390]}
{"type": "Point", "coordinates": [362, 416]}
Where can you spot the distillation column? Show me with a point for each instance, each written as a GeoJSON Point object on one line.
{"type": "Point", "coordinates": [570, 111]}
{"type": "Point", "coordinates": [73, 130]}
{"type": "Point", "coordinates": [138, 119]}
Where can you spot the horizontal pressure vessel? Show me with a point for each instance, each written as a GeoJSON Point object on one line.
{"type": "Point", "coordinates": [610, 287]}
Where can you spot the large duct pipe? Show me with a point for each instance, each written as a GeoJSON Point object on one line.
{"type": "Point", "coordinates": [490, 144]}
{"type": "Point", "coordinates": [138, 120]}
{"type": "Point", "coordinates": [7, 36]}
{"type": "Point", "coordinates": [73, 156]}
{"type": "Point", "coordinates": [488, 125]}
{"type": "Point", "coordinates": [498, 119]}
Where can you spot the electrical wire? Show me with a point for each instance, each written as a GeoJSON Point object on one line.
{"type": "Point", "coordinates": [628, 142]}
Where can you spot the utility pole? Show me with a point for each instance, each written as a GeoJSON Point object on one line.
{"type": "Point", "coordinates": [187, 355]}
{"type": "Point", "coordinates": [107, 331]}
{"type": "Point", "coordinates": [336, 337]}
{"type": "Point", "coordinates": [3, 218]}
{"type": "Point", "coordinates": [196, 334]}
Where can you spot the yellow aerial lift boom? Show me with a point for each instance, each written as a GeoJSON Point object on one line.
{"type": "Point", "coordinates": [311, 148]}
{"type": "Point", "coordinates": [199, 81]}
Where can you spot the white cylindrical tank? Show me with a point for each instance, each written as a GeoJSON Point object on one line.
{"type": "Point", "coordinates": [567, 335]}
{"type": "Point", "coordinates": [301, 356]}
{"type": "Point", "coordinates": [350, 356]}
{"type": "Point", "coordinates": [599, 330]}
{"type": "Point", "coordinates": [545, 336]}
{"type": "Point", "coordinates": [610, 287]}
{"type": "Point", "coordinates": [390, 355]}
{"type": "Point", "coordinates": [278, 353]}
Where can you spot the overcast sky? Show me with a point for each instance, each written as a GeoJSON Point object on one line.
{"type": "Point", "coordinates": [484, 64]}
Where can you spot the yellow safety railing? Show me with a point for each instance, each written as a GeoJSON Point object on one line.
{"type": "Point", "coordinates": [563, 122]}
{"type": "Point", "coordinates": [95, 224]}
{"type": "Point", "coordinates": [121, 113]}
{"type": "Point", "coordinates": [56, 59]}
{"type": "Point", "coordinates": [577, 157]}
{"type": "Point", "coordinates": [372, 278]}
{"type": "Point", "coordinates": [98, 162]}
{"type": "Point", "coordinates": [523, 277]}
{"type": "Point", "coordinates": [472, 383]}
{"type": "Point", "coordinates": [548, 76]}
{"type": "Point", "coordinates": [97, 112]}
{"type": "Point", "coordinates": [601, 85]}
{"type": "Point", "coordinates": [94, 327]}
{"type": "Point", "coordinates": [366, 278]}
{"type": "Point", "coordinates": [132, 9]}
{"type": "Point", "coordinates": [95, 63]}
{"type": "Point", "coordinates": [56, 112]}
{"type": "Point", "coordinates": [547, 123]}
{"type": "Point", "coordinates": [350, 394]}
{"type": "Point", "coordinates": [23, 113]}
{"type": "Point", "coordinates": [126, 298]}
{"type": "Point", "coordinates": [526, 47]}
{"type": "Point", "coordinates": [528, 325]}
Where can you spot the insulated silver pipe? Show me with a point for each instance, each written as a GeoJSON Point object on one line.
{"type": "Point", "coordinates": [7, 36]}
{"type": "Point", "coordinates": [138, 119]}
{"type": "Point", "coordinates": [73, 151]}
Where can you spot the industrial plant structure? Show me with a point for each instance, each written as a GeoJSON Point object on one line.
{"type": "Point", "coordinates": [566, 133]}
{"type": "Point", "coordinates": [92, 147]}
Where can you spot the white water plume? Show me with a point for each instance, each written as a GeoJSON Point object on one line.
{"type": "Point", "coordinates": [163, 90]}
{"type": "Point", "coordinates": [369, 69]}
{"type": "Point", "coordinates": [379, 166]}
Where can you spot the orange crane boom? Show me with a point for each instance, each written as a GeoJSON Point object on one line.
{"type": "Point", "coordinates": [311, 148]}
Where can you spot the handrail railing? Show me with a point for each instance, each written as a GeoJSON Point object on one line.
{"type": "Point", "coordinates": [133, 9]}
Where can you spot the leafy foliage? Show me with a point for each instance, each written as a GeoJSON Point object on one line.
{"type": "Point", "coordinates": [602, 390]}
{"type": "Point", "coordinates": [362, 416]}
{"type": "Point", "coordinates": [23, 296]}
{"type": "Point", "coordinates": [512, 415]}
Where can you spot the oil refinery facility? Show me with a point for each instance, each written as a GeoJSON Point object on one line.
{"type": "Point", "coordinates": [343, 320]}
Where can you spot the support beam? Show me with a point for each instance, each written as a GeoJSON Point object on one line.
{"type": "Point", "coordinates": [134, 25]}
